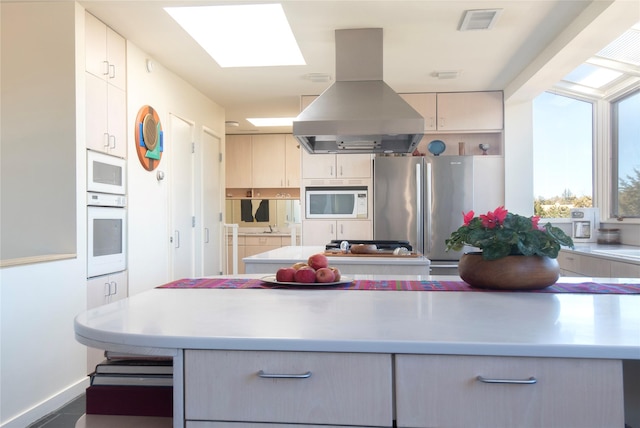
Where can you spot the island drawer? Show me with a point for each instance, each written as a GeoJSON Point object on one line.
{"type": "Point", "coordinates": [289, 387]}
{"type": "Point", "coordinates": [441, 390]}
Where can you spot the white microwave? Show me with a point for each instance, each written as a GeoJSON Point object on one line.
{"type": "Point", "coordinates": [336, 202]}
{"type": "Point", "coordinates": [106, 173]}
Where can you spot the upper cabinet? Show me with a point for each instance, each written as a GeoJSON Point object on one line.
{"type": "Point", "coordinates": [238, 161]}
{"type": "Point", "coordinates": [336, 166]}
{"type": "Point", "coordinates": [105, 83]}
{"type": "Point", "coordinates": [459, 111]}
{"type": "Point", "coordinates": [470, 111]}
{"type": "Point", "coordinates": [425, 104]}
{"type": "Point", "coordinates": [262, 161]}
{"type": "Point", "coordinates": [105, 52]}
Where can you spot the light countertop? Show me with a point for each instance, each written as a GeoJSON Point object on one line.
{"type": "Point", "coordinates": [464, 323]}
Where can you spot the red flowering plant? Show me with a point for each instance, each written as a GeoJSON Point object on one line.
{"type": "Point", "coordinates": [501, 233]}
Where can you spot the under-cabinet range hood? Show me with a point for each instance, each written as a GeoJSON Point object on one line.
{"type": "Point", "coordinates": [359, 113]}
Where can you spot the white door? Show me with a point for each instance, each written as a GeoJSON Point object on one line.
{"type": "Point", "coordinates": [211, 205]}
{"type": "Point", "coordinates": [182, 199]}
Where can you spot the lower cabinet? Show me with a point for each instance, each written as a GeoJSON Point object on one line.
{"type": "Point", "coordinates": [100, 291]}
{"type": "Point", "coordinates": [471, 391]}
{"type": "Point", "coordinates": [574, 264]}
{"type": "Point", "coordinates": [304, 388]}
{"type": "Point", "coordinates": [321, 232]}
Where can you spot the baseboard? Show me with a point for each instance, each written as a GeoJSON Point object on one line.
{"type": "Point", "coordinates": [47, 406]}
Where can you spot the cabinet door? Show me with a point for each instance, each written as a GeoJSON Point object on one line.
{"type": "Point", "coordinates": [268, 157]}
{"type": "Point", "coordinates": [425, 104]}
{"type": "Point", "coordinates": [117, 121]}
{"type": "Point", "coordinates": [292, 162]}
{"type": "Point", "coordinates": [96, 106]}
{"type": "Point", "coordinates": [318, 166]}
{"type": "Point", "coordinates": [117, 59]}
{"type": "Point", "coordinates": [318, 232]}
{"type": "Point", "coordinates": [353, 166]}
{"type": "Point", "coordinates": [444, 390]}
{"type": "Point", "coordinates": [470, 111]}
{"type": "Point", "coordinates": [289, 387]}
{"type": "Point", "coordinates": [238, 164]}
{"type": "Point", "coordinates": [95, 33]}
{"type": "Point", "coordinates": [624, 270]}
{"type": "Point", "coordinates": [354, 229]}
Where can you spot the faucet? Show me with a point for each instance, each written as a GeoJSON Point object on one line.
{"type": "Point", "coordinates": [270, 229]}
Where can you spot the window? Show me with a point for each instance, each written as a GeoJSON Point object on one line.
{"type": "Point", "coordinates": [562, 154]}
{"type": "Point", "coordinates": [626, 156]}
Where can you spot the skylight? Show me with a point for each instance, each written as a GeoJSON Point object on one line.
{"type": "Point", "coordinates": [613, 67]}
{"type": "Point", "coordinates": [241, 35]}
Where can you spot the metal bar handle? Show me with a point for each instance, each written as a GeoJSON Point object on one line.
{"type": "Point", "coordinates": [112, 71]}
{"type": "Point", "coordinates": [264, 375]}
{"type": "Point", "coordinates": [529, 381]}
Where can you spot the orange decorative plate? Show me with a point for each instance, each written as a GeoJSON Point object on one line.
{"type": "Point", "coordinates": [149, 138]}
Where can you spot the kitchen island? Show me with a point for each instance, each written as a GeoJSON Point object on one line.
{"type": "Point", "coordinates": [338, 357]}
{"type": "Point", "coordinates": [363, 264]}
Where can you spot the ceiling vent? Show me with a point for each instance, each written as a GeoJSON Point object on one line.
{"type": "Point", "coordinates": [479, 19]}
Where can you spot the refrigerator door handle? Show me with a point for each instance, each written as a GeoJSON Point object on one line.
{"type": "Point", "coordinates": [419, 214]}
{"type": "Point", "coordinates": [427, 209]}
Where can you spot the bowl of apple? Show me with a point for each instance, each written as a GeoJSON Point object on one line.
{"type": "Point", "coordinates": [315, 271]}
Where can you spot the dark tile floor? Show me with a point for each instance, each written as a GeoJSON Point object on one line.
{"type": "Point", "coordinates": [65, 417]}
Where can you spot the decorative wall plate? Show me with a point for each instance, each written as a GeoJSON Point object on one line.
{"type": "Point", "coordinates": [149, 138]}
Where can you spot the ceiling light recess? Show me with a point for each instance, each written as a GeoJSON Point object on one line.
{"type": "Point", "coordinates": [479, 19]}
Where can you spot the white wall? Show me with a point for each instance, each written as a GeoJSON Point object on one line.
{"type": "Point", "coordinates": [148, 198]}
{"type": "Point", "coordinates": [42, 366]}
{"type": "Point", "coordinates": [518, 157]}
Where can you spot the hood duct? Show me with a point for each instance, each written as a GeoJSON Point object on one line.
{"type": "Point", "coordinates": [359, 113]}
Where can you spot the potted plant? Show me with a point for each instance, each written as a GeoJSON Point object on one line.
{"type": "Point", "coordinates": [516, 252]}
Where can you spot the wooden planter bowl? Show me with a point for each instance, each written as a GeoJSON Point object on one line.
{"type": "Point", "coordinates": [509, 273]}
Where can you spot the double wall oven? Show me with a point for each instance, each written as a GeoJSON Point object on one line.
{"type": "Point", "coordinates": [106, 214]}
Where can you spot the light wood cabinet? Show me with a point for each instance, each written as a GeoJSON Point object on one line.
{"type": "Point", "coordinates": [268, 158]}
{"type": "Point", "coordinates": [238, 161]}
{"type": "Point", "coordinates": [250, 245]}
{"type": "Point", "coordinates": [575, 264]}
{"type": "Point", "coordinates": [329, 166]}
{"type": "Point", "coordinates": [321, 232]}
{"type": "Point", "coordinates": [292, 162]}
{"type": "Point", "coordinates": [425, 104]}
{"type": "Point", "coordinates": [470, 111]}
{"type": "Point", "coordinates": [288, 387]}
{"type": "Point", "coordinates": [268, 161]}
{"type": "Point", "coordinates": [447, 391]}
{"type": "Point", "coordinates": [241, 254]}
{"type": "Point", "coordinates": [100, 291]}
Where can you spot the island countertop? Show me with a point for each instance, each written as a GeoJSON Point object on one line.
{"type": "Point", "coordinates": [412, 322]}
{"type": "Point", "coordinates": [270, 261]}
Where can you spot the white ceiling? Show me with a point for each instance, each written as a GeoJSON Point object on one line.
{"type": "Point", "coordinates": [532, 46]}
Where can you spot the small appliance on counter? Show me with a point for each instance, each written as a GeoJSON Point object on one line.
{"type": "Point", "coordinates": [584, 224]}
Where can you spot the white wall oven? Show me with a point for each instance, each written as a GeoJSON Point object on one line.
{"type": "Point", "coordinates": [106, 234]}
{"type": "Point", "coordinates": [106, 173]}
{"type": "Point", "coordinates": [336, 202]}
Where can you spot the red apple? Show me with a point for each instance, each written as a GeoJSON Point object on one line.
{"type": "Point", "coordinates": [325, 275]}
{"type": "Point", "coordinates": [299, 265]}
{"type": "Point", "coordinates": [318, 261]}
{"type": "Point", "coordinates": [285, 274]}
{"type": "Point", "coordinates": [305, 274]}
{"type": "Point", "coordinates": [336, 273]}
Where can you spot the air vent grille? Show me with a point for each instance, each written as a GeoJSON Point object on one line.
{"type": "Point", "coordinates": [479, 19]}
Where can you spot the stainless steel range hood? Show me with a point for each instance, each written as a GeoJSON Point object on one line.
{"type": "Point", "coordinates": [359, 113]}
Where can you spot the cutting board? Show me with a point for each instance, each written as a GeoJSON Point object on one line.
{"type": "Point", "coordinates": [380, 253]}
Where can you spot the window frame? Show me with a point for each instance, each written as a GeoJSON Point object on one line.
{"type": "Point", "coordinates": [613, 174]}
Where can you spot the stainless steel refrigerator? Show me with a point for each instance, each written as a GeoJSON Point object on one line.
{"type": "Point", "coordinates": [421, 199]}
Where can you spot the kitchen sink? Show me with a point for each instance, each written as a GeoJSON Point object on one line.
{"type": "Point", "coordinates": [620, 252]}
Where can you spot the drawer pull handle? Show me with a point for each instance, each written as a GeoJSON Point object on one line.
{"type": "Point", "coordinates": [262, 374]}
{"type": "Point", "coordinates": [529, 381]}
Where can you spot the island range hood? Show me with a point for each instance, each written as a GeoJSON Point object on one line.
{"type": "Point", "coordinates": [359, 113]}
